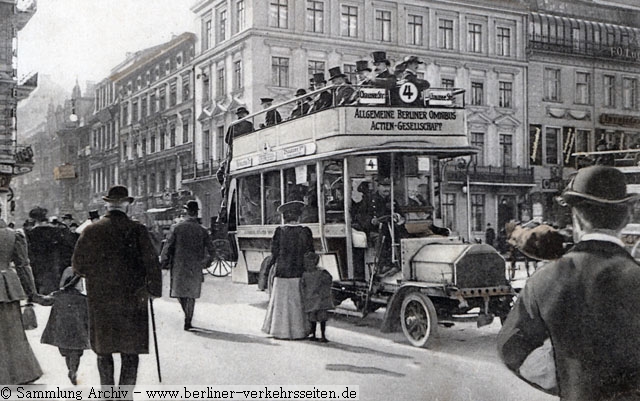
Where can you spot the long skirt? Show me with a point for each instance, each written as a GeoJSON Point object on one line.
{"type": "Point", "coordinates": [285, 317]}
{"type": "Point", "coordinates": [18, 364]}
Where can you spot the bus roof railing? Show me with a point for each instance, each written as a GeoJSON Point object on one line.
{"type": "Point", "coordinates": [430, 98]}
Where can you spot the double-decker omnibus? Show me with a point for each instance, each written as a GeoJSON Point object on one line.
{"type": "Point", "coordinates": [334, 159]}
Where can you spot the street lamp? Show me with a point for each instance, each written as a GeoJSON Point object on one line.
{"type": "Point", "coordinates": [464, 165]}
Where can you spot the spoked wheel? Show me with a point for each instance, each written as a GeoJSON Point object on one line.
{"type": "Point", "coordinates": [219, 267]}
{"type": "Point", "coordinates": [418, 318]}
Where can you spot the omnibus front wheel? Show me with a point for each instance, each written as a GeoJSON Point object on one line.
{"type": "Point", "coordinates": [418, 319]}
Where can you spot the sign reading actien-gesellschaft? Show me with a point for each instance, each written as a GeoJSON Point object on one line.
{"type": "Point", "coordinates": [399, 120]}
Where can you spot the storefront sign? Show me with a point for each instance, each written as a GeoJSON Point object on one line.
{"type": "Point", "coordinates": [624, 52]}
{"type": "Point", "coordinates": [440, 121]}
{"type": "Point", "coordinates": [372, 96]}
{"type": "Point", "coordinates": [619, 119]}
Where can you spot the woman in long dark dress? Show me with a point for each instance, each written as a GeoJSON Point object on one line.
{"type": "Point", "coordinates": [285, 317]}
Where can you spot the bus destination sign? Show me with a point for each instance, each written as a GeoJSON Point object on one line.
{"type": "Point", "coordinates": [438, 121]}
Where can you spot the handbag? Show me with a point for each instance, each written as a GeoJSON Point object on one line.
{"type": "Point", "coordinates": [29, 321]}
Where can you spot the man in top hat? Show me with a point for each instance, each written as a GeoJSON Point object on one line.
{"type": "Point", "coordinates": [410, 67]}
{"type": "Point", "coordinates": [362, 72]}
{"type": "Point", "coordinates": [383, 78]}
{"type": "Point", "coordinates": [302, 105]}
{"type": "Point", "coordinates": [344, 90]}
{"type": "Point", "coordinates": [273, 116]}
{"type": "Point", "coordinates": [324, 99]}
{"type": "Point", "coordinates": [116, 256]}
{"type": "Point", "coordinates": [187, 252]}
{"type": "Point", "coordinates": [240, 128]}
{"type": "Point", "coordinates": [50, 249]}
{"type": "Point", "coordinates": [573, 330]}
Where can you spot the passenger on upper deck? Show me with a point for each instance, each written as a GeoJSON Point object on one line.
{"type": "Point", "coordinates": [241, 128]}
{"type": "Point", "coordinates": [411, 64]}
{"type": "Point", "coordinates": [383, 77]}
{"type": "Point", "coordinates": [362, 72]}
{"type": "Point", "coordinates": [273, 116]}
{"type": "Point", "coordinates": [344, 90]}
{"type": "Point", "coordinates": [324, 99]}
{"type": "Point", "coordinates": [302, 105]}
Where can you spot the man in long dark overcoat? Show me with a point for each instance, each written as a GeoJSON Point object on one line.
{"type": "Point", "coordinates": [573, 331]}
{"type": "Point", "coordinates": [187, 252]}
{"type": "Point", "coordinates": [120, 264]}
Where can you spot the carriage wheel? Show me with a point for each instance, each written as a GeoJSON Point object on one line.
{"type": "Point", "coordinates": [219, 267]}
{"type": "Point", "coordinates": [418, 318]}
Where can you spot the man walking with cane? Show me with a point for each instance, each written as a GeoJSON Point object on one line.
{"type": "Point", "coordinates": [117, 257]}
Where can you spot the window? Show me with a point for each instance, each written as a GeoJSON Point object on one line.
{"type": "Point", "coordinates": [315, 67]}
{"type": "Point", "coordinates": [207, 34]}
{"type": "Point", "coordinates": [474, 38]}
{"type": "Point", "coordinates": [134, 111]}
{"type": "Point", "coordinates": [449, 210]}
{"type": "Point", "coordinates": [153, 104]}
{"type": "Point", "coordinates": [237, 74]}
{"type": "Point", "coordinates": [172, 180]}
{"type": "Point", "coordinates": [552, 84]}
{"type": "Point", "coordinates": [583, 88]}
{"type": "Point", "coordinates": [152, 182]}
{"type": "Point", "coordinates": [506, 146]}
{"type": "Point", "coordinates": [186, 88]}
{"type": "Point", "coordinates": [206, 144]}
{"type": "Point", "coordinates": [173, 94]}
{"type": "Point", "coordinates": [162, 138]}
{"type": "Point", "coordinates": [280, 71]}
{"type": "Point", "coordinates": [445, 34]}
{"type": "Point", "coordinates": [249, 210]}
{"type": "Point", "coordinates": [220, 142]}
{"type": "Point", "coordinates": [240, 16]}
{"type": "Point", "coordinates": [349, 21]}
{"type": "Point", "coordinates": [477, 93]}
{"type": "Point", "coordinates": [506, 94]}
{"type": "Point", "coordinates": [414, 30]}
{"type": "Point", "coordinates": [143, 107]}
{"type": "Point", "coordinates": [143, 147]}
{"type": "Point", "coordinates": [477, 212]}
{"type": "Point", "coordinates": [609, 90]}
{"type": "Point", "coordinates": [221, 87]}
{"type": "Point", "coordinates": [278, 13]}
{"type": "Point", "coordinates": [125, 114]}
{"type": "Point", "coordinates": [206, 88]}
{"type": "Point", "coordinates": [222, 27]}
{"type": "Point", "coordinates": [447, 83]}
{"type": "Point", "coordinates": [185, 131]}
{"type": "Point", "coordinates": [383, 26]}
{"type": "Point", "coordinates": [575, 38]}
{"type": "Point", "coordinates": [503, 45]}
{"type": "Point", "coordinates": [477, 140]}
{"type": "Point", "coordinates": [315, 16]}
{"type": "Point", "coordinates": [172, 136]}
{"type": "Point", "coordinates": [551, 144]}
{"type": "Point", "coordinates": [152, 143]}
{"type": "Point", "coordinates": [162, 99]}
{"type": "Point", "coordinates": [162, 181]}
{"type": "Point", "coordinates": [629, 90]}
{"type": "Point", "coordinates": [272, 197]}
{"type": "Point", "coordinates": [350, 71]}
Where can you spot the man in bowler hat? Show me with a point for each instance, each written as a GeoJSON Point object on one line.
{"type": "Point", "coordinates": [344, 91]}
{"type": "Point", "coordinates": [116, 256]}
{"type": "Point", "coordinates": [187, 252]}
{"type": "Point", "coordinates": [302, 105]}
{"type": "Point", "coordinates": [241, 128]}
{"type": "Point", "coordinates": [410, 74]}
{"type": "Point", "coordinates": [573, 330]}
{"type": "Point", "coordinates": [273, 116]}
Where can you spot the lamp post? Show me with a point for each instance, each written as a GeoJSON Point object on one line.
{"type": "Point", "coordinates": [464, 164]}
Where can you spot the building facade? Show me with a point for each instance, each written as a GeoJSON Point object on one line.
{"type": "Point", "coordinates": [584, 71]}
{"type": "Point", "coordinates": [142, 135]}
{"type": "Point", "coordinates": [254, 49]}
{"type": "Point", "coordinates": [14, 159]}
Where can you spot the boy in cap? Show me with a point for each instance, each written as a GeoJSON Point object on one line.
{"type": "Point", "coordinates": [316, 295]}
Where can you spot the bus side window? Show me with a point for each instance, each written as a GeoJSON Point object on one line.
{"type": "Point", "coordinates": [333, 192]}
{"type": "Point", "coordinates": [249, 200]}
{"type": "Point", "coordinates": [272, 197]}
{"type": "Point", "coordinates": [302, 186]}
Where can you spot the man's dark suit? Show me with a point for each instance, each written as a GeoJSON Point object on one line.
{"type": "Point", "coordinates": [587, 303]}
{"type": "Point", "coordinates": [272, 118]}
{"type": "Point", "coordinates": [241, 128]}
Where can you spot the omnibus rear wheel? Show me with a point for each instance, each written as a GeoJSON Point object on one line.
{"type": "Point", "coordinates": [418, 319]}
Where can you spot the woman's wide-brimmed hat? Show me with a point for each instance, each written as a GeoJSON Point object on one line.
{"type": "Point", "coordinates": [192, 206]}
{"type": "Point", "coordinates": [117, 194]}
{"type": "Point", "coordinates": [598, 184]}
{"type": "Point", "coordinates": [293, 207]}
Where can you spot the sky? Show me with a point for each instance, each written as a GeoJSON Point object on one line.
{"type": "Point", "coordinates": [85, 39]}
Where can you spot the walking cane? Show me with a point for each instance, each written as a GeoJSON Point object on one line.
{"type": "Point", "coordinates": [155, 338]}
